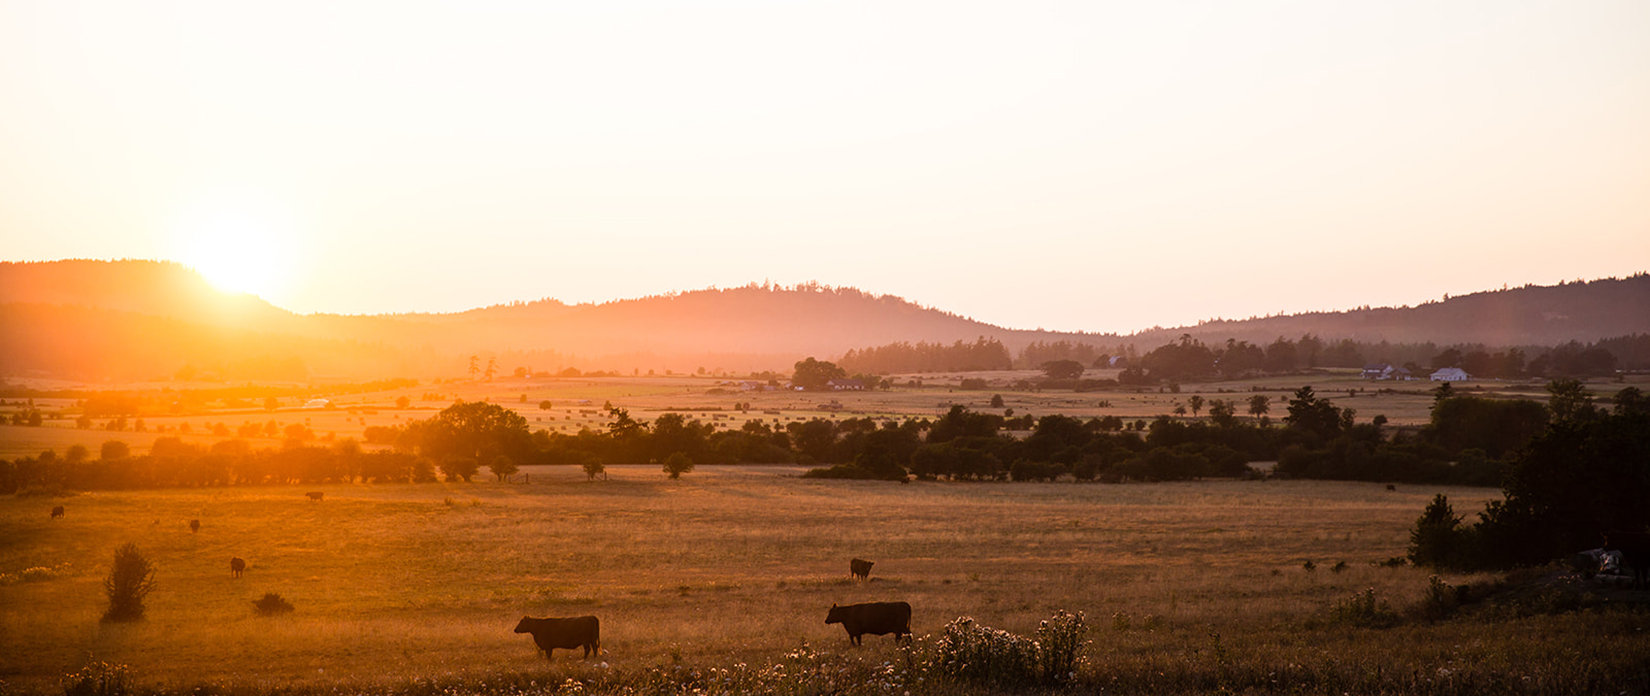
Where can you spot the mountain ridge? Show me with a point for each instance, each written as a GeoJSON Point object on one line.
{"type": "Point", "coordinates": [747, 328]}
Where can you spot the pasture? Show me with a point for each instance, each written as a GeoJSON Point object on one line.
{"type": "Point", "coordinates": [732, 565]}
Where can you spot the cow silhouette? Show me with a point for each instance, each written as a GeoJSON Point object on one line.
{"type": "Point", "coordinates": [236, 566]}
{"type": "Point", "coordinates": [860, 568]}
{"type": "Point", "coordinates": [194, 525]}
{"type": "Point", "coordinates": [57, 512]}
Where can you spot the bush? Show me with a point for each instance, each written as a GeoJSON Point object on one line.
{"type": "Point", "coordinates": [1363, 609]}
{"type": "Point", "coordinates": [131, 580]}
{"type": "Point", "coordinates": [980, 654]}
{"type": "Point", "coordinates": [98, 679]}
{"type": "Point", "coordinates": [272, 605]}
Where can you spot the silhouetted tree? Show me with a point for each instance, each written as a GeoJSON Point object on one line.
{"type": "Point", "coordinates": [1259, 405]}
{"type": "Point", "coordinates": [813, 374]}
{"type": "Point", "coordinates": [678, 464]}
{"type": "Point", "coordinates": [1062, 369]}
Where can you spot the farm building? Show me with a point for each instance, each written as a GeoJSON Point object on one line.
{"type": "Point", "coordinates": [1451, 374]}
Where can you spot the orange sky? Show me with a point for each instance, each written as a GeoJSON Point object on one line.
{"type": "Point", "coordinates": [1074, 166]}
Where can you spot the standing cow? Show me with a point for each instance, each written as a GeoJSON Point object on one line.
{"type": "Point", "coordinates": [236, 566]}
{"type": "Point", "coordinates": [875, 618]}
{"type": "Point", "coordinates": [194, 525]}
{"type": "Point", "coordinates": [57, 512]}
{"type": "Point", "coordinates": [567, 634]}
{"type": "Point", "coordinates": [315, 496]}
{"type": "Point", "coordinates": [860, 568]}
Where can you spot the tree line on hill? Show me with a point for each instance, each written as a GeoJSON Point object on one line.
{"type": "Point", "coordinates": [1469, 440]}
{"type": "Point", "coordinates": [1190, 359]}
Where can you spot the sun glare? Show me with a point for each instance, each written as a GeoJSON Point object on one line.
{"type": "Point", "coordinates": [237, 251]}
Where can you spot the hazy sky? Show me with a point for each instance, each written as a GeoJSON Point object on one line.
{"type": "Point", "coordinates": [1077, 166]}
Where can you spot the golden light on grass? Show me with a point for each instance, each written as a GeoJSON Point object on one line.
{"type": "Point", "coordinates": [728, 564]}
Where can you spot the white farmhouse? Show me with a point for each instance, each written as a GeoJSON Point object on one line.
{"type": "Point", "coordinates": [1451, 374]}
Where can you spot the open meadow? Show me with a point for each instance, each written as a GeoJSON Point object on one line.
{"type": "Point", "coordinates": [1183, 585]}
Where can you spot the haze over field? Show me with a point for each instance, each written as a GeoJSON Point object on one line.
{"type": "Point", "coordinates": [1093, 167]}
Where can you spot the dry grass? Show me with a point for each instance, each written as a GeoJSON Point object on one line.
{"type": "Point", "coordinates": [729, 564]}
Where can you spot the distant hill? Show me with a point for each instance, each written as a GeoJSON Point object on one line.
{"type": "Point", "coordinates": [1528, 315]}
{"type": "Point", "coordinates": [123, 320]}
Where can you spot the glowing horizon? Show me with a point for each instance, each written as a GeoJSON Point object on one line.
{"type": "Point", "coordinates": [1091, 167]}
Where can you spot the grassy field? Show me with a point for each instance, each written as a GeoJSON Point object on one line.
{"type": "Point", "coordinates": [734, 565]}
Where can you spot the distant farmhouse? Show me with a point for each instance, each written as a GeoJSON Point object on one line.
{"type": "Point", "coordinates": [1387, 371]}
{"type": "Point", "coordinates": [1451, 374]}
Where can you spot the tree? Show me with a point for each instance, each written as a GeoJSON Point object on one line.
{"type": "Point", "coordinates": [1259, 405]}
{"type": "Point", "coordinates": [814, 374]}
{"type": "Point", "coordinates": [1436, 539]}
{"type": "Point", "coordinates": [678, 464]}
{"type": "Point", "coordinates": [545, 405]}
{"type": "Point", "coordinates": [475, 366]}
{"type": "Point", "coordinates": [402, 402]}
{"type": "Point", "coordinates": [115, 449]}
{"type": "Point", "coordinates": [129, 582]}
{"type": "Point", "coordinates": [1062, 369]}
{"type": "Point", "coordinates": [1569, 400]}
{"type": "Point", "coordinates": [1223, 413]}
{"type": "Point", "coordinates": [475, 431]}
{"type": "Point", "coordinates": [492, 368]}
{"type": "Point", "coordinates": [271, 403]}
{"type": "Point", "coordinates": [1308, 412]}
{"type": "Point", "coordinates": [996, 400]}
{"type": "Point", "coordinates": [76, 454]}
{"type": "Point", "coordinates": [594, 467]}
{"type": "Point", "coordinates": [503, 467]}
{"type": "Point", "coordinates": [1196, 402]}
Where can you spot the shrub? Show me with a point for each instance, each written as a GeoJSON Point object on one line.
{"type": "Point", "coordinates": [980, 654]}
{"type": "Point", "coordinates": [1441, 600]}
{"type": "Point", "coordinates": [98, 679]}
{"type": "Point", "coordinates": [272, 605]}
{"type": "Point", "coordinates": [132, 579]}
{"type": "Point", "coordinates": [1363, 609]}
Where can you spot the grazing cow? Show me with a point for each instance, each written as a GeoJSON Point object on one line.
{"type": "Point", "coordinates": [57, 512]}
{"type": "Point", "coordinates": [569, 633]}
{"type": "Point", "coordinates": [1635, 554]}
{"type": "Point", "coordinates": [875, 618]}
{"type": "Point", "coordinates": [315, 496]}
{"type": "Point", "coordinates": [194, 525]}
{"type": "Point", "coordinates": [1391, 488]}
{"type": "Point", "coordinates": [860, 569]}
{"type": "Point", "coordinates": [236, 566]}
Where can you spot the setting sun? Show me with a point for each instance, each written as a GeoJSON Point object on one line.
{"type": "Point", "coordinates": [238, 251]}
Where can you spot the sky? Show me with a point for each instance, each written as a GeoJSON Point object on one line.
{"type": "Point", "coordinates": [1082, 166]}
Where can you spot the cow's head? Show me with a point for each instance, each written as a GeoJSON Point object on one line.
{"type": "Point", "coordinates": [835, 615]}
{"type": "Point", "coordinates": [521, 626]}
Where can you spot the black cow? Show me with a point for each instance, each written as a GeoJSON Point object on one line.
{"type": "Point", "coordinates": [315, 496]}
{"type": "Point", "coordinates": [875, 618]}
{"type": "Point", "coordinates": [194, 525]}
{"type": "Point", "coordinates": [57, 512]}
{"type": "Point", "coordinates": [236, 566]}
{"type": "Point", "coordinates": [569, 633]}
{"type": "Point", "coordinates": [860, 568]}
{"type": "Point", "coordinates": [1635, 554]}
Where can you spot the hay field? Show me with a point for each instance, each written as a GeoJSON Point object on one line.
{"type": "Point", "coordinates": [729, 564]}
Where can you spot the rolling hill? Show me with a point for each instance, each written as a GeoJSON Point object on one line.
{"type": "Point", "coordinates": [142, 320]}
